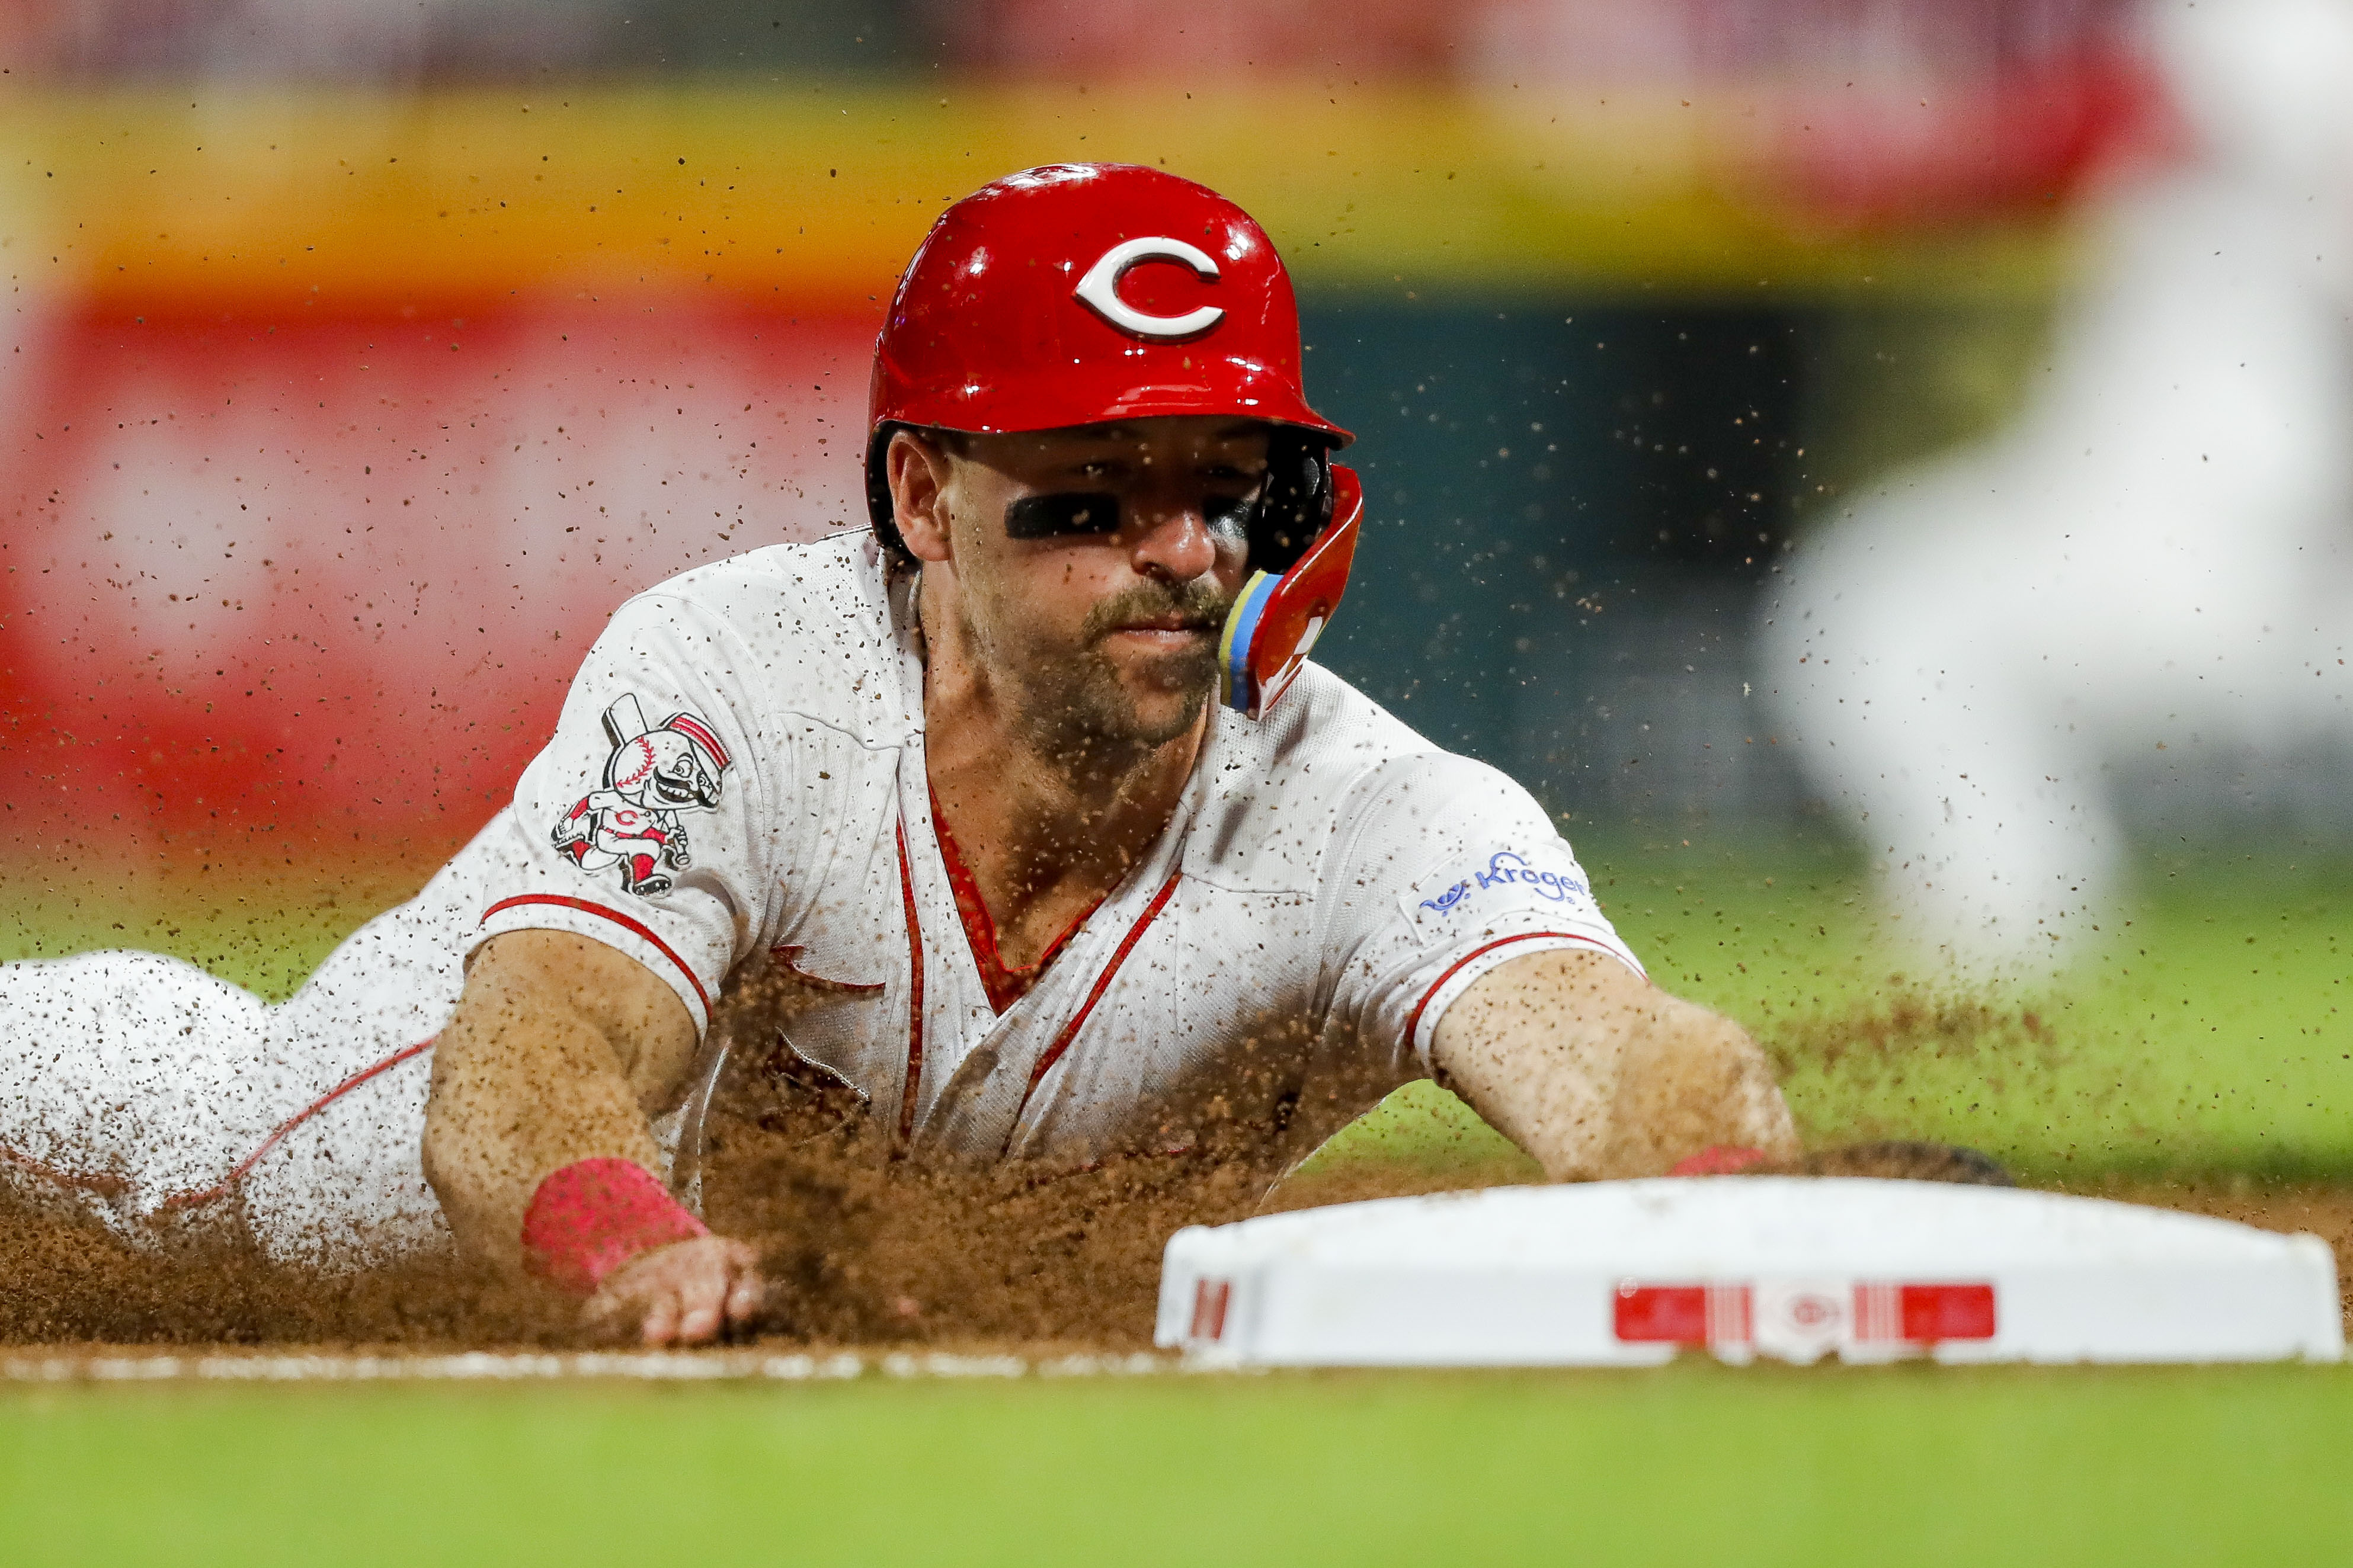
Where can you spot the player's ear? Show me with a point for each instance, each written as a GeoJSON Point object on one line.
{"type": "Point", "coordinates": [918, 466]}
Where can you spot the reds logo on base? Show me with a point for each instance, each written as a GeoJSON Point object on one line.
{"type": "Point", "coordinates": [654, 773]}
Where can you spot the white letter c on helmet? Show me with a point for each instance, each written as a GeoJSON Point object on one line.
{"type": "Point", "coordinates": [1099, 289]}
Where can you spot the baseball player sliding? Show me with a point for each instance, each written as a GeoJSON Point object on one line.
{"type": "Point", "coordinates": [1020, 817]}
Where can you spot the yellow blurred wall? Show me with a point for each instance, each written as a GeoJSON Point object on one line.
{"type": "Point", "coordinates": [814, 194]}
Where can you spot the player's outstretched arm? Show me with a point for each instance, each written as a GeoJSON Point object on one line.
{"type": "Point", "coordinates": [558, 1052]}
{"type": "Point", "coordinates": [1598, 1074]}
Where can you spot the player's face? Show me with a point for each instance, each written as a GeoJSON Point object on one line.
{"type": "Point", "coordinates": [1095, 566]}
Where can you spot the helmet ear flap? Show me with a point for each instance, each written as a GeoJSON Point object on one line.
{"type": "Point", "coordinates": [1276, 620]}
{"type": "Point", "coordinates": [1295, 506]}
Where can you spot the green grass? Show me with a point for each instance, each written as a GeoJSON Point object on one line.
{"type": "Point", "coordinates": [1916, 1466]}
{"type": "Point", "coordinates": [2208, 1036]}
{"type": "Point", "coordinates": [265, 931]}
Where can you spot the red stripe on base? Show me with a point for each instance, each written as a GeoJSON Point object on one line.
{"type": "Point", "coordinates": [1053, 1053]}
{"type": "Point", "coordinates": [1929, 1313]}
{"type": "Point", "coordinates": [1660, 1314]}
{"type": "Point", "coordinates": [1211, 1299]}
{"type": "Point", "coordinates": [1885, 1312]}
{"type": "Point", "coordinates": [1684, 1314]}
{"type": "Point", "coordinates": [637, 928]}
{"type": "Point", "coordinates": [1413, 1019]}
{"type": "Point", "coordinates": [914, 1000]}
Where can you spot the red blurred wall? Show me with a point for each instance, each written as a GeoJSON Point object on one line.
{"type": "Point", "coordinates": [323, 583]}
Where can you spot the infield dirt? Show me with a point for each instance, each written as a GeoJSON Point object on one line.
{"type": "Point", "coordinates": [860, 1251]}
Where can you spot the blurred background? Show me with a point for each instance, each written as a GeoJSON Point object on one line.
{"type": "Point", "coordinates": [361, 358]}
{"type": "Point", "coordinates": [1620, 296]}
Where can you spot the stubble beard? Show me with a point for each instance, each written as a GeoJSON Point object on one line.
{"type": "Point", "coordinates": [1073, 707]}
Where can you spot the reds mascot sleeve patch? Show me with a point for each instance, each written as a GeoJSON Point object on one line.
{"type": "Point", "coordinates": [635, 823]}
{"type": "Point", "coordinates": [639, 825]}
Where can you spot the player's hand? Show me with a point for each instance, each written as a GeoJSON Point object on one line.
{"type": "Point", "coordinates": [686, 1293]}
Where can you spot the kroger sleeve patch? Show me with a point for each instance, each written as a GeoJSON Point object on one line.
{"type": "Point", "coordinates": [1445, 870]}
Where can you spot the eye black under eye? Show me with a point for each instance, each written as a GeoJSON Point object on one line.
{"type": "Point", "coordinates": [1061, 515]}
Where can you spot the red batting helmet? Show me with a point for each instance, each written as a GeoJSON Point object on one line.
{"type": "Point", "coordinates": [1079, 293]}
{"type": "Point", "coordinates": [1082, 293]}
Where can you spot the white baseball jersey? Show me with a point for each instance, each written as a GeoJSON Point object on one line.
{"type": "Point", "coordinates": [738, 788]}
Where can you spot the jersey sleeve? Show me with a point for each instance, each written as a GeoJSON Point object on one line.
{"type": "Point", "coordinates": [1445, 870]}
{"type": "Point", "coordinates": [637, 825]}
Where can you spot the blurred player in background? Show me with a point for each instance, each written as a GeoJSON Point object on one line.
{"type": "Point", "coordinates": [1018, 823]}
{"type": "Point", "coordinates": [2156, 555]}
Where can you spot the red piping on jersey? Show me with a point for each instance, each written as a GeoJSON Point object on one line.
{"type": "Point", "coordinates": [1413, 1020]}
{"type": "Point", "coordinates": [1005, 986]}
{"type": "Point", "coordinates": [787, 958]}
{"type": "Point", "coordinates": [104, 1184]}
{"type": "Point", "coordinates": [914, 1000]}
{"type": "Point", "coordinates": [223, 1187]}
{"type": "Point", "coordinates": [638, 928]}
{"type": "Point", "coordinates": [1102, 983]}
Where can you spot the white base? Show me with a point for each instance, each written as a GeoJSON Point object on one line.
{"type": "Point", "coordinates": [1626, 1273]}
